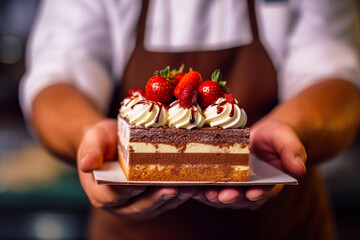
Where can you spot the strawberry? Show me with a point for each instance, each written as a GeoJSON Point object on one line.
{"type": "Point", "coordinates": [229, 97]}
{"type": "Point", "coordinates": [177, 74]}
{"type": "Point", "coordinates": [192, 77]}
{"type": "Point", "coordinates": [209, 91]}
{"type": "Point", "coordinates": [177, 78]}
{"type": "Point", "coordinates": [188, 96]}
{"type": "Point", "coordinates": [159, 88]}
{"type": "Point", "coordinates": [132, 91]}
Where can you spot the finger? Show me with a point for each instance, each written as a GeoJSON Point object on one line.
{"type": "Point", "coordinates": [185, 193]}
{"type": "Point", "coordinates": [148, 201]}
{"type": "Point", "coordinates": [203, 199]}
{"type": "Point", "coordinates": [228, 194]}
{"type": "Point", "coordinates": [291, 150]}
{"type": "Point", "coordinates": [262, 192]}
{"type": "Point", "coordinates": [98, 143]}
{"type": "Point", "coordinates": [90, 160]}
{"type": "Point", "coordinates": [199, 193]}
{"type": "Point", "coordinates": [256, 193]}
{"type": "Point", "coordinates": [102, 196]}
{"type": "Point", "coordinates": [211, 193]}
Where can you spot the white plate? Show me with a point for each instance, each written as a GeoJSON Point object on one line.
{"type": "Point", "coordinates": [261, 173]}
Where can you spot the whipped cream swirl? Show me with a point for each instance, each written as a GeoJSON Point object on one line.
{"type": "Point", "coordinates": [225, 115]}
{"type": "Point", "coordinates": [188, 118]}
{"type": "Point", "coordinates": [128, 102]}
{"type": "Point", "coordinates": [147, 113]}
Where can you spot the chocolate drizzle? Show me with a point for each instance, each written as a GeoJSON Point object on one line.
{"type": "Point", "coordinates": [231, 114]}
{"type": "Point", "coordinates": [220, 108]}
{"type": "Point", "coordinates": [152, 104]}
{"type": "Point", "coordinates": [151, 107]}
{"type": "Point", "coordinates": [192, 117]}
{"type": "Point", "coordinates": [156, 120]}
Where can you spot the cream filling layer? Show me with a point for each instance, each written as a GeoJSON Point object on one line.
{"type": "Point", "coordinates": [141, 147]}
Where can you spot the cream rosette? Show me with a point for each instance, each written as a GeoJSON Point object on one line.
{"type": "Point", "coordinates": [188, 118]}
{"type": "Point", "coordinates": [130, 101]}
{"type": "Point", "coordinates": [225, 115]}
{"type": "Point", "coordinates": [147, 113]}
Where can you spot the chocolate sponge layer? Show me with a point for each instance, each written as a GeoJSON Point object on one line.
{"type": "Point", "coordinates": [210, 135]}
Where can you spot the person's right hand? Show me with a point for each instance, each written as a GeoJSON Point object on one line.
{"type": "Point", "coordinates": [99, 144]}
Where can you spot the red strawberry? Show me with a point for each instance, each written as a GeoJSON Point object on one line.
{"type": "Point", "coordinates": [177, 78]}
{"type": "Point", "coordinates": [209, 91]}
{"type": "Point", "coordinates": [159, 89]}
{"type": "Point", "coordinates": [177, 74]}
{"type": "Point", "coordinates": [188, 96]}
{"type": "Point", "coordinates": [229, 97]}
{"type": "Point", "coordinates": [134, 90]}
{"type": "Point", "coordinates": [192, 77]}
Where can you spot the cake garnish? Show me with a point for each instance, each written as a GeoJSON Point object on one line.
{"type": "Point", "coordinates": [197, 103]}
{"type": "Point", "coordinates": [190, 117]}
{"type": "Point", "coordinates": [188, 96]}
{"type": "Point", "coordinates": [191, 77]}
{"type": "Point", "coordinates": [147, 113]}
{"type": "Point", "coordinates": [177, 74]}
{"type": "Point", "coordinates": [225, 114]}
{"type": "Point", "coordinates": [210, 90]}
{"type": "Point", "coordinates": [136, 95]}
{"type": "Point", "coordinates": [160, 87]}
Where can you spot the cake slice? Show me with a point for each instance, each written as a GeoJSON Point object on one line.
{"type": "Point", "coordinates": [171, 154]}
{"type": "Point", "coordinates": [198, 137]}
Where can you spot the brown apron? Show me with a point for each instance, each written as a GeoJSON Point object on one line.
{"type": "Point", "coordinates": [298, 212]}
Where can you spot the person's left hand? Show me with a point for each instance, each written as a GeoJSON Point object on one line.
{"type": "Point", "coordinates": [273, 142]}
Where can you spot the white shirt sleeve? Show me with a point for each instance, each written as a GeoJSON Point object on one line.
{"type": "Point", "coordinates": [322, 44]}
{"type": "Point", "coordinates": [69, 44]}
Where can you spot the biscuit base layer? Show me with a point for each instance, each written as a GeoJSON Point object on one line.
{"type": "Point", "coordinates": [187, 171]}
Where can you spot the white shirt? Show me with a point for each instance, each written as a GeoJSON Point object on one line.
{"type": "Point", "coordinates": [87, 43]}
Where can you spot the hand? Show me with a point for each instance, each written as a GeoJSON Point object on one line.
{"type": "Point", "coordinates": [273, 142]}
{"type": "Point", "coordinates": [99, 144]}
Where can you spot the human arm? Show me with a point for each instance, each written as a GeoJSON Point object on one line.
{"type": "Point", "coordinates": [314, 125]}
{"type": "Point", "coordinates": [69, 125]}
{"type": "Point", "coordinates": [318, 89]}
{"type": "Point", "coordinates": [65, 94]}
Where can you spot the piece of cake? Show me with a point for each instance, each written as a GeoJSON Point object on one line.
{"type": "Point", "coordinates": [179, 141]}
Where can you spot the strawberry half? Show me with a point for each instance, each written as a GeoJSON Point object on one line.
{"type": "Point", "coordinates": [132, 91]}
{"type": "Point", "coordinates": [192, 77]}
{"type": "Point", "coordinates": [159, 88]}
{"type": "Point", "coordinates": [209, 91]}
{"type": "Point", "coordinates": [229, 97]}
{"type": "Point", "coordinates": [188, 96]}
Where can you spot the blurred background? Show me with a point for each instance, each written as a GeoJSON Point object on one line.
{"type": "Point", "coordinates": [41, 198]}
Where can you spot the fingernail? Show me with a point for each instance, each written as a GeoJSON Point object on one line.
{"type": "Point", "coordinates": [215, 200]}
{"type": "Point", "coordinates": [258, 198]}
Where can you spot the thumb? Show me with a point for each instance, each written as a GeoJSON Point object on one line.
{"type": "Point", "coordinates": [98, 144]}
{"type": "Point", "coordinates": [291, 150]}
{"type": "Point", "coordinates": [91, 151]}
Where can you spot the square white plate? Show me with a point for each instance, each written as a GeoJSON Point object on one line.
{"type": "Point", "coordinates": [261, 173]}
